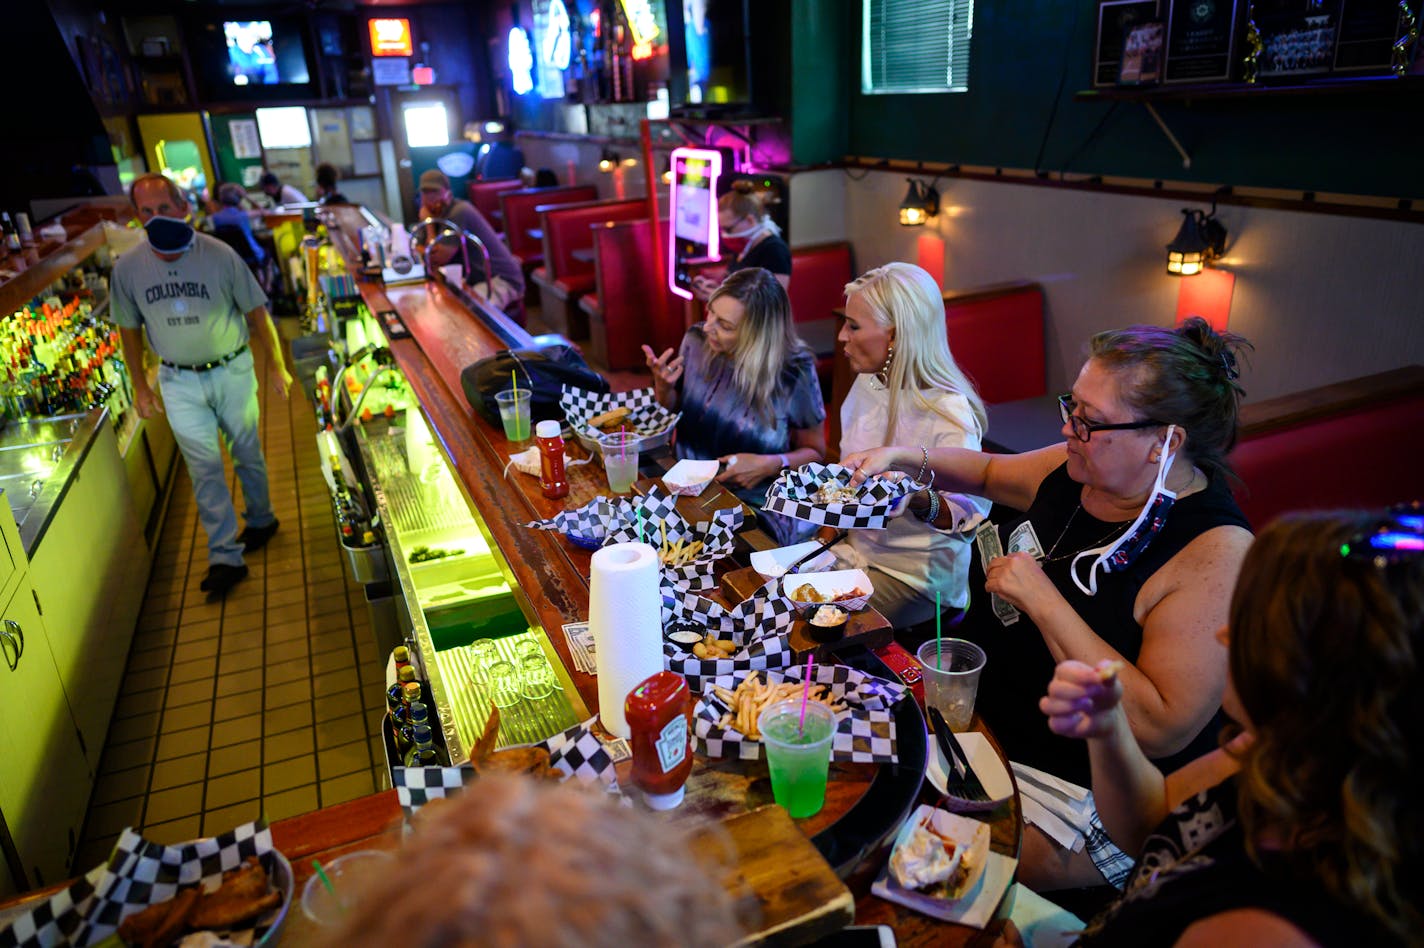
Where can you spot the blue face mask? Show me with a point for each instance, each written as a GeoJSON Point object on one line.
{"type": "Point", "coordinates": [169, 234]}
{"type": "Point", "coordinates": [1119, 554]}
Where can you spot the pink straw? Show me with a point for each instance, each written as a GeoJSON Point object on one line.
{"type": "Point", "coordinates": [806, 691]}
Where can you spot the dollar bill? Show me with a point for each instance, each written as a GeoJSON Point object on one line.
{"type": "Point", "coordinates": [986, 538]}
{"type": "Point", "coordinates": [580, 641]}
{"type": "Point", "coordinates": [1023, 539]}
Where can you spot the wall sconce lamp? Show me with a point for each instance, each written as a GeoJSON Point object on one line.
{"type": "Point", "coordinates": [608, 161]}
{"type": "Point", "coordinates": [920, 204]}
{"type": "Point", "coordinates": [1200, 240]}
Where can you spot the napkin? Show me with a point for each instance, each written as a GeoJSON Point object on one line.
{"type": "Point", "coordinates": [528, 462]}
{"type": "Point", "coordinates": [1062, 809]}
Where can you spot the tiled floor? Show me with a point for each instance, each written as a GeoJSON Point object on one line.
{"type": "Point", "coordinates": [268, 702]}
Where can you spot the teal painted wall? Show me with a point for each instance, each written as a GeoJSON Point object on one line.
{"type": "Point", "coordinates": [1361, 143]}
{"type": "Point", "coordinates": [821, 80]}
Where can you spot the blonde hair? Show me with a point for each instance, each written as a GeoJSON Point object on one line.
{"type": "Point", "coordinates": [514, 861]}
{"type": "Point", "coordinates": [743, 200]}
{"type": "Point", "coordinates": [766, 338]}
{"type": "Point", "coordinates": [905, 298]}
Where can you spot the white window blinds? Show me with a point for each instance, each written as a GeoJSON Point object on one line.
{"type": "Point", "coordinates": [915, 45]}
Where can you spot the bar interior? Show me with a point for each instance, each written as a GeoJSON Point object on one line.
{"type": "Point", "coordinates": [636, 466]}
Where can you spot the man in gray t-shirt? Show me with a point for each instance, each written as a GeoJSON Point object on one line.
{"type": "Point", "coordinates": [201, 307]}
{"type": "Point", "coordinates": [507, 281]}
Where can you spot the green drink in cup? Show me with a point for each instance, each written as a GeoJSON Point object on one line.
{"type": "Point", "coordinates": [620, 459]}
{"type": "Point", "coordinates": [799, 757]}
{"type": "Point", "coordinates": [514, 412]}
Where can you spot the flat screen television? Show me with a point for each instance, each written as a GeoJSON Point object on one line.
{"type": "Point", "coordinates": [711, 67]}
{"type": "Point", "coordinates": [251, 60]}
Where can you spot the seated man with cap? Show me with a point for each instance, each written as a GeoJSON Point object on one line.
{"type": "Point", "coordinates": [505, 282]}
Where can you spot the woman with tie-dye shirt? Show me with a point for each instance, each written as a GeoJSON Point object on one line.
{"type": "Point", "coordinates": [746, 386]}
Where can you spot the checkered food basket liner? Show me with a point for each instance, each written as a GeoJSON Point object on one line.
{"type": "Point", "coordinates": [659, 508]}
{"type": "Point", "coordinates": [138, 874]}
{"type": "Point", "coordinates": [865, 732]}
{"type": "Point", "coordinates": [647, 418]}
{"type": "Point", "coordinates": [577, 751]}
{"type": "Point", "coordinates": [792, 494]}
{"type": "Point", "coordinates": [593, 521]}
{"type": "Point", "coordinates": [760, 626]}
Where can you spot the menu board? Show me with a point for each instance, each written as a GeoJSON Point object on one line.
{"type": "Point", "coordinates": [1201, 40]}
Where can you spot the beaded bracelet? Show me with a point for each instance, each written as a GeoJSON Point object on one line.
{"type": "Point", "coordinates": [932, 512]}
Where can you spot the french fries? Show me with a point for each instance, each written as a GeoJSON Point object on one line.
{"type": "Point", "coordinates": [679, 552]}
{"type": "Point", "coordinates": [753, 695]}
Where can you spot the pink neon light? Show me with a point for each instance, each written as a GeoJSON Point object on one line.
{"type": "Point", "coordinates": [714, 171]}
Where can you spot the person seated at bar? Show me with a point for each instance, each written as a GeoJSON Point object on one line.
{"type": "Point", "coordinates": [750, 233]}
{"type": "Point", "coordinates": [1304, 828]}
{"type": "Point", "coordinates": [233, 226]}
{"type": "Point", "coordinates": [326, 178]}
{"type": "Point", "coordinates": [907, 390]}
{"type": "Point", "coordinates": [516, 861]}
{"type": "Point", "coordinates": [506, 285]}
{"type": "Point", "coordinates": [1128, 550]}
{"type": "Point", "coordinates": [746, 386]}
{"type": "Point", "coordinates": [280, 193]}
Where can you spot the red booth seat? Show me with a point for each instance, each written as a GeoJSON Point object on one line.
{"type": "Point", "coordinates": [819, 274]}
{"type": "Point", "coordinates": [565, 277]}
{"type": "Point", "coordinates": [631, 305]}
{"type": "Point", "coordinates": [1339, 452]}
{"type": "Point", "coordinates": [521, 215]}
{"type": "Point", "coordinates": [484, 195]}
{"type": "Point", "coordinates": [996, 335]}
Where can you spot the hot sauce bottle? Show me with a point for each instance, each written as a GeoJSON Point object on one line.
{"type": "Point", "coordinates": [552, 480]}
{"type": "Point", "coordinates": [656, 711]}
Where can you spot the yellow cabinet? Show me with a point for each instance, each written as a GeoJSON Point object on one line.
{"type": "Point", "coordinates": [44, 783]}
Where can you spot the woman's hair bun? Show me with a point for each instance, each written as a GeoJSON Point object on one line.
{"type": "Point", "coordinates": [1216, 348]}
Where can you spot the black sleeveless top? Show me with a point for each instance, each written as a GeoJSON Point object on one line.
{"type": "Point", "coordinates": [1019, 663]}
{"type": "Point", "coordinates": [1195, 865]}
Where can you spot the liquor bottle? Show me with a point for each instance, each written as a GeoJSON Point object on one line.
{"type": "Point", "coordinates": [394, 693]}
{"type": "Point", "coordinates": [405, 737]}
{"type": "Point", "coordinates": [423, 753]}
{"type": "Point", "coordinates": [400, 717]}
{"type": "Point", "coordinates": [402, 656]}
{"type": "Point", "coordinates": [12, 236]}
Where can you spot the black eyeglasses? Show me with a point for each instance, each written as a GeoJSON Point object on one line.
{"type": "Point", "coordinates": [1083, 429]}
{"type": "Point", "coordinates": [1397, 538]}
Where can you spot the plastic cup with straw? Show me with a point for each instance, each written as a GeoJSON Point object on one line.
{"type": "Point", "coordinates": [798, 743]}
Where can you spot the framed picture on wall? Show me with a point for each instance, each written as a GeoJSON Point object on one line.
{"type": "Point", "coordinates": [1142, 55]}
{"type": "Point", "coordinates": [1115, 19]}
{"type": "Point", "coordinates": [1297, 36]}
{"type": "Point", "coordinates": [1368, 31]}
{"type": "Point", "coordinates": [1202, 38]}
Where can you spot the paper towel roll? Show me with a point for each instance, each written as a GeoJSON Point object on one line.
{"type": "Point", "coordinates": [625, 620]}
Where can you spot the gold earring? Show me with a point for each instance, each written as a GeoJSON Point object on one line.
{"type": "Point", "coordinates": [889, 358]}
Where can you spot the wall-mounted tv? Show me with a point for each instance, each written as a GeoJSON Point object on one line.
{"type": "Point", "coordinates": [251, 60]}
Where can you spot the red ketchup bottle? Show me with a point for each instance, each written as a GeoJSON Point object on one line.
{"type": "Point", "coordinates": [656, 711]}
{"type": "Point", "coordinates": [551, 460]}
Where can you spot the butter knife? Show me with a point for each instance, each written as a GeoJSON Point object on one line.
{"type": "Point", "coordinates": [956, 758]}
{"type": "Point", "coordinates": [840, 535]}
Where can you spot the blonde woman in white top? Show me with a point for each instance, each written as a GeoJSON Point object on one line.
{"type": "Point", "coordinates": [908, 390]}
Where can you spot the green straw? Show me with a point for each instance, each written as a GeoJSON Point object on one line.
{"type": "Point", "coordinates": [640, 524]}
{"type": "Point", "coordinates": [326, 881]}
{"type": "Point", "coordinates": [939, 635]}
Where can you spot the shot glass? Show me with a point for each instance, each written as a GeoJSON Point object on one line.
{"type": "Point", "coordinates": [951, 679]}
{"type": "Point", "coordinates": [347, 872]}
{"type": "Point", "coordinates": [514, 412]}
{"type": "Point", "coordinates": [798, 754]}
{"type": "Point", "coordinates": [528, 648]}
{"type": "Point", "coordinates": [620, 459]}
{"type": "Point", "coordinates": [503, 684]}
{"type": "Point", "coordinates": [536, 676]}
{"type": "Point", "coordinates": [482, 654]}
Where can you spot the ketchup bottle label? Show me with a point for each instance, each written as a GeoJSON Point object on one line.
{"type": "Point", "coordinates": [672, 743]}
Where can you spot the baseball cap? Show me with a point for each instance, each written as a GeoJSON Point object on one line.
{"type": "Point", "coordinates": [434, 179]}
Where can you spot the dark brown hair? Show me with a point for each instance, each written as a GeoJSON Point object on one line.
{"type": "Point", "coordinates": [1325, 656]}
{"type": "Point", "coordinates": [1184, 377]}
{"type": "Point", "coordinates": [327, 175]}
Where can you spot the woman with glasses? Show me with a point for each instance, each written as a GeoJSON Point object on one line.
{"type": "Point", "coordinates": [1305, 828]}
{"type": "Point", "coordinates": [1127, 549]}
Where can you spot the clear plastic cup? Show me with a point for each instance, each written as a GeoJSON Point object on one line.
{"type": "Point", "coordinates": [952, 679]}
{"type": "Point", "coordinates": [348, 874]}
{"type": "Point", "coordinates": [798, 757]}
{"type": "Point", "coordinates": [514, 412]}
{"type": "Point", "coordinates": [620, 459]}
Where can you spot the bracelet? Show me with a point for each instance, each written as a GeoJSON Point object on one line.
{"type": "Point", "coordinates": [924, 465]}
{"type": "Point", "coordinates": [932, 512]}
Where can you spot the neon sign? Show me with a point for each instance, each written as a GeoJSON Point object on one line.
{"type": "Point", "coordinates": [694, 234]}
{"type": "Point", "coordinates": [642, 20]}
{"type": "Point", "coordinates": [390, 37]}
{"type": "Point", "coordinates": [521, 61]}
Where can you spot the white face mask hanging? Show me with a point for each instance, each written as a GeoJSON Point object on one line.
{"type": "Point", "coordinates": [1119, 554]}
